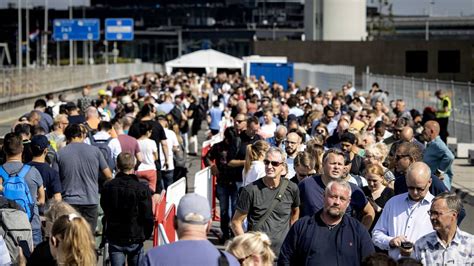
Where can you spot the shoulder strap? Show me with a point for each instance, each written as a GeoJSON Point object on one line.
{"type": "Point", "coordinates": [222, 259]}
{"type": "Point", "coordinates": [275, 201]}
{"type": "Point", "coordinates": [4, 173]}
{"type": "Point", "coordinates": [24, 170]}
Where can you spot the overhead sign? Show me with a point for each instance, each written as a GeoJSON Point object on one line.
{"type": "Point", "coordinates": [119, 29]}
{"type": "Point", "coordinates": [76, 30]}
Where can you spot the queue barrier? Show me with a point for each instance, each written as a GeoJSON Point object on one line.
{"type": "Point", "coordinates": [168, 224]}
{"type": "Point", "coordinates": [159, 211]}
{"type": "Point", "coordinates": [208, 189]}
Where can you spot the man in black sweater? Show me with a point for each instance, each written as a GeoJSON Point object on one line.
{"type": "Point", "coordinates": [128, 213]}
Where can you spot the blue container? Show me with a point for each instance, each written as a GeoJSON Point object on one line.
{"type": "Point", "coordinates": [277, 72]}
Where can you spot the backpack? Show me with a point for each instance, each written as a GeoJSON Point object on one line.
{"type": "Point", "coordinates": [15, 227]}
{"type": "Point", "coordinates": [201, 112]}
{"type": "Point", "coordinates": [16, 189]}
{"type": "Point", "coordinates": [103, 146]}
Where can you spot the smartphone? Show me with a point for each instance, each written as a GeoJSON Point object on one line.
{"type": "Point", "coordinates": [407, 245]}
{"type": "Point", "coordinates": [24, 247]}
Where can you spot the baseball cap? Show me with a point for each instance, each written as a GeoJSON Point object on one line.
{"type": "Point", "coordinates": [194, 209]}
{"type": "Point", "coordinates": [40, 141]}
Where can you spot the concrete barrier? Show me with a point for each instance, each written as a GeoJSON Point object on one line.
{"type": "Point", "coordinates": [461, 150]}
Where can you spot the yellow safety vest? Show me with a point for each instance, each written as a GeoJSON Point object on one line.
{"type": "Point", "coordinates": [442, 114]}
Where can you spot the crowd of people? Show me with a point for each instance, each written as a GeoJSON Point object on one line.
{"type": "Point", "coordinates": [304, 176]}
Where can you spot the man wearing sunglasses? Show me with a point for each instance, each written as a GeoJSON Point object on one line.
{"type": "Point", "coordinates": [270, 204]}
{"type": "Point", "coordinates": [404, 218]}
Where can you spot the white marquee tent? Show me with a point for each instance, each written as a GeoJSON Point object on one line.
{"type": "Point", "coordinates": [209, 59]}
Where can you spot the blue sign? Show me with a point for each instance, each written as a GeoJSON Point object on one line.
{"type": "Point", "coordinates": [76, 30]}
{"type": "Point", "coordinates": [119, 29]}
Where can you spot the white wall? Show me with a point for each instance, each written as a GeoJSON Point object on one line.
{"type": "Point", "coordinates": [344, 20]}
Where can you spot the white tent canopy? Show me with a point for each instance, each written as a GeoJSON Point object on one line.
{"type": "Point", "coordinates": [209, 59]}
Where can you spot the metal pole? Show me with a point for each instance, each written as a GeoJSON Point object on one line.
{"type": "Point", "coordinates": [45, 34]}
{"type": "Point", "coordinates": [84, 43]}
{"type": "Point", "coordinates": [115, 52]}
{"type": "Point", "coordinates": [91, 53]}
{"type": "Point", "coordinates": [470, 111]}
{"type": "Point", "coordinates": [180, 43]}
{"type": "Point", "coordinates": [423, 90]}
{"type": "Point", "coordinates": [27, 33]}
{"type": "Point", "coordinates": [453, 104]}
{"type": "Point", "coordinates": [58, 57]}
{"type": "Point", "coordinates": [71, 43]}
{"type": "Point", "coordinates": [20, 56]}
{"type": "Point", "coordinates": [413, 92]}
{"type": "Point", "coordinates": [106, 57]}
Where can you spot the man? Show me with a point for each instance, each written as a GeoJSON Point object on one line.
{"type": "Point", "coordinates": [56, 137]}
{"type": "Point", "coordinates": [167, 173]}
{"type": "Point", "coordinates": [284, 113]}
{"type": "Point", "coordinates": [85, 101]}
{"type": "Point", "coordinates": [348, 140]}
{"type": "Point", "coordinates": [443, 112]}
{"type": "Point", "coordinates": [270, 204]}
{"type": "Point", "coordinates": [312, 190]}
{"type": "Point", "coordinates": [404, 218]}
{"type": "Point", "coordinates": [448, 244]}
{"type": "Point", "coordinates": [166, 106]}
{"type": "Point", "coordinates": [406, 135]}
{"type": "Point", "coordinates": [51, 182]}
{"type": "Point", "coordinates": [292, 147]}
{"type": "Point", "coordinates": [104, 135]}
{"type": "Point", "coordinates": [128, 144]}
{"type": "Point", "coordinates": [79, 166]}
{"type": "Point", "coordinates": [46, 121]}
{"type": "Point", "coordinates": [407, 154]}
{"type": "Point", "coordinates": [279, 137]}
{"type": "Point", "coordinates": [13, 149]}
{"type": "Point", "coordinates": [227, 177]}
{"type": "Point", "coordinates": [73, 114]}
{"type": "Point", "coordinates": [437, 155]}
{"type": "Point", "coordinates": [128, 213]}
{"type": "Point", "coordinates": [335, 139]}
{"type": "Point", "coordinates": [193, 221]}
{"type": "Point", "coordinates": [400, 110]}
{"type": "Point", "coordinates": [240, 123]}
{"type": "Point", "coordinates": [328, 237]}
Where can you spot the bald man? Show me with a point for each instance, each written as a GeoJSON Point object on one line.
{"type": "Point", "coordinates": [405, 218]}
{"type": "Point", "coordinates": [406, 135]}
{"type": "Point", "coordinates": [437, 155]}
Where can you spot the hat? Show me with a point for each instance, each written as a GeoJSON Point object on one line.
{"type": "Point", "coordinates": [102, 92]}
{"type": "Point", "coordinates": [193, 209]}
{"type": "Point", "coordinates": [40, 141]}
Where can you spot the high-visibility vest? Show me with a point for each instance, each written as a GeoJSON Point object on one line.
{"type": "Point", "coordinates": [441, 113]}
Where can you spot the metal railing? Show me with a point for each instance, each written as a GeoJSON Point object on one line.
{"type": "Point", "coordinates": [323, 76]}
{"type": "Point", "coordinates": [420, 93]}
{"type": "Point", "coordinates": [17, 84]}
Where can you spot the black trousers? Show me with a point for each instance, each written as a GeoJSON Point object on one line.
{"type": "Point", "coordinates": [443, 128]}
{"type": "Point", "coordinates": [90, 213]}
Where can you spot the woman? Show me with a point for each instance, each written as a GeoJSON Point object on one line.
{"type": "Point", "coordinates": [376, 154]}
{"type": "Point", "coordinates": [379, 193]}
{"type": "Point", "coordinates": [71, 241]}
{"type": "Point", "coordinates": [254, 167]}
{"type": "Point", "coordinates": [147, 168]}
{"type": "Point", "coordinates": [316, 149]}
{"type": "Point", "coordinates": [252, 249]}
{"type": "Point", "coordinates": [303, 165]}
{"type": "Point", "coordinates": [41, 255]}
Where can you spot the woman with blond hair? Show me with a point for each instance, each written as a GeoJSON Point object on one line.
{"type": "Point", "coordinates": [71, 241]}
{"type": "Point", "coordinates": [254, 167]}
{"type": "Point", "coordinates": [379, 193]}
{"type": "Point", "coordinates": [376, 154]}
{"type": "Point", "coordinates": [252, 249]}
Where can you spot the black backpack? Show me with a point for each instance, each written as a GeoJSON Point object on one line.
{"type": "Point", "coordinates": [103, 146]}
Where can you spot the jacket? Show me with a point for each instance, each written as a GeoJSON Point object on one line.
{"type": "Point", "coordinates": [353, 242]}
{"type": "Point", "coordinates": [127, 209]}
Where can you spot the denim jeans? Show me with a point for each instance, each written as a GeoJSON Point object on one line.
{"type": "Point", "coordinates": [167, 177]}
{"type": "Point", "coordinates": [227, 195]}
{"type": "Point", "coordinates": [133, 252]}
{"type": "Point", "coordinates": [37, 236]}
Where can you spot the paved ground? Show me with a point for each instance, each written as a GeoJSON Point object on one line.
{"type": "Point", "coordinates": [463, 184]}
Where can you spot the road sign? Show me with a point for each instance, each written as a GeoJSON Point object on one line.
{"type": "Point", "coordinates": [119, 29]}
{"type": "Point", "coordinates": [76, 30]}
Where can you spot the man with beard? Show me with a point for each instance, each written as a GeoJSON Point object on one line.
{"type": "Point", "coordinates": [312, 190]}
{"type": "Point", "coordinates": [292, 146]}
{"type": "Point", "coordinates": [329, 236]}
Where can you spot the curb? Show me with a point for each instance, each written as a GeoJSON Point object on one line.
{"type": "Point", "coordinates": [466, 197]}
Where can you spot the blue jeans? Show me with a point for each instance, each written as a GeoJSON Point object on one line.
{"type": "Point", "coordinates": [37, 236]}
{"type": "Point", "coordinates": [117, 253]}
{"type": "Point", "coordinates": [167, 177]}
{"type": "Point", "coordinates": [227, 195]}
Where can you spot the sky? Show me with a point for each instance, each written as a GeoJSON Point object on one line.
{"type": "Point", "coordinates": [400, 7]}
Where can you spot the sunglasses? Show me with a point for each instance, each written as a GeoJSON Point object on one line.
{"type": "Point", "coordinates": [274, 163]}
{"type": "Point", "coordinates": [239, 121]}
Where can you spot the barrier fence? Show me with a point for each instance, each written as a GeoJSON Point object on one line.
{"type": "Point", "coordinates": [16, 84]}
{"type": "Point", "coordinates": [419, 93]}
{"type": "Point", "coordinates": [323, 76]}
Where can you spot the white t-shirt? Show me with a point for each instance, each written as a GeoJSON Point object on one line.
{"type": "Point", "coordinates": [256, 171]}
{"type": "Point", "coordinates": [147, 147]}
{"type": "Point", "coordinates": [268, 129]}
{"type": "Point", "coordinates": [172, 141]}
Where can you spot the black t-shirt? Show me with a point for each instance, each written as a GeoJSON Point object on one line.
{"type": "Point", "coordinates": [76, 119]}
{"type": "Point", "coordinates": [51, 181]}
{"type": "Point", "coordinates": [220, 152]}
{"type": "Point", "coordinates": [328, 246]}
{"type": "Point", "coordinates": [41, 256]}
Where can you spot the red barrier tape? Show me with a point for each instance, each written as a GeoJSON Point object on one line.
{"type": "Point", "coordinates": [160, 212]}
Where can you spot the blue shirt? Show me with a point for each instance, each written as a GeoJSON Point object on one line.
{"type": "Point", "coordinates": [306, 241]}
{"type": "Point", "coordinates": [51, 182]}
{"type": "Point", "coordinates": [402, 217]}
{"type": "Point", "coordinates": [186, 252]}
{"type": "Point", "coordinates": [438, 156]}
{"type": "Point", "coordinates": [312, 198]}
{"type": "Point", "coordinates": [216, 116]}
